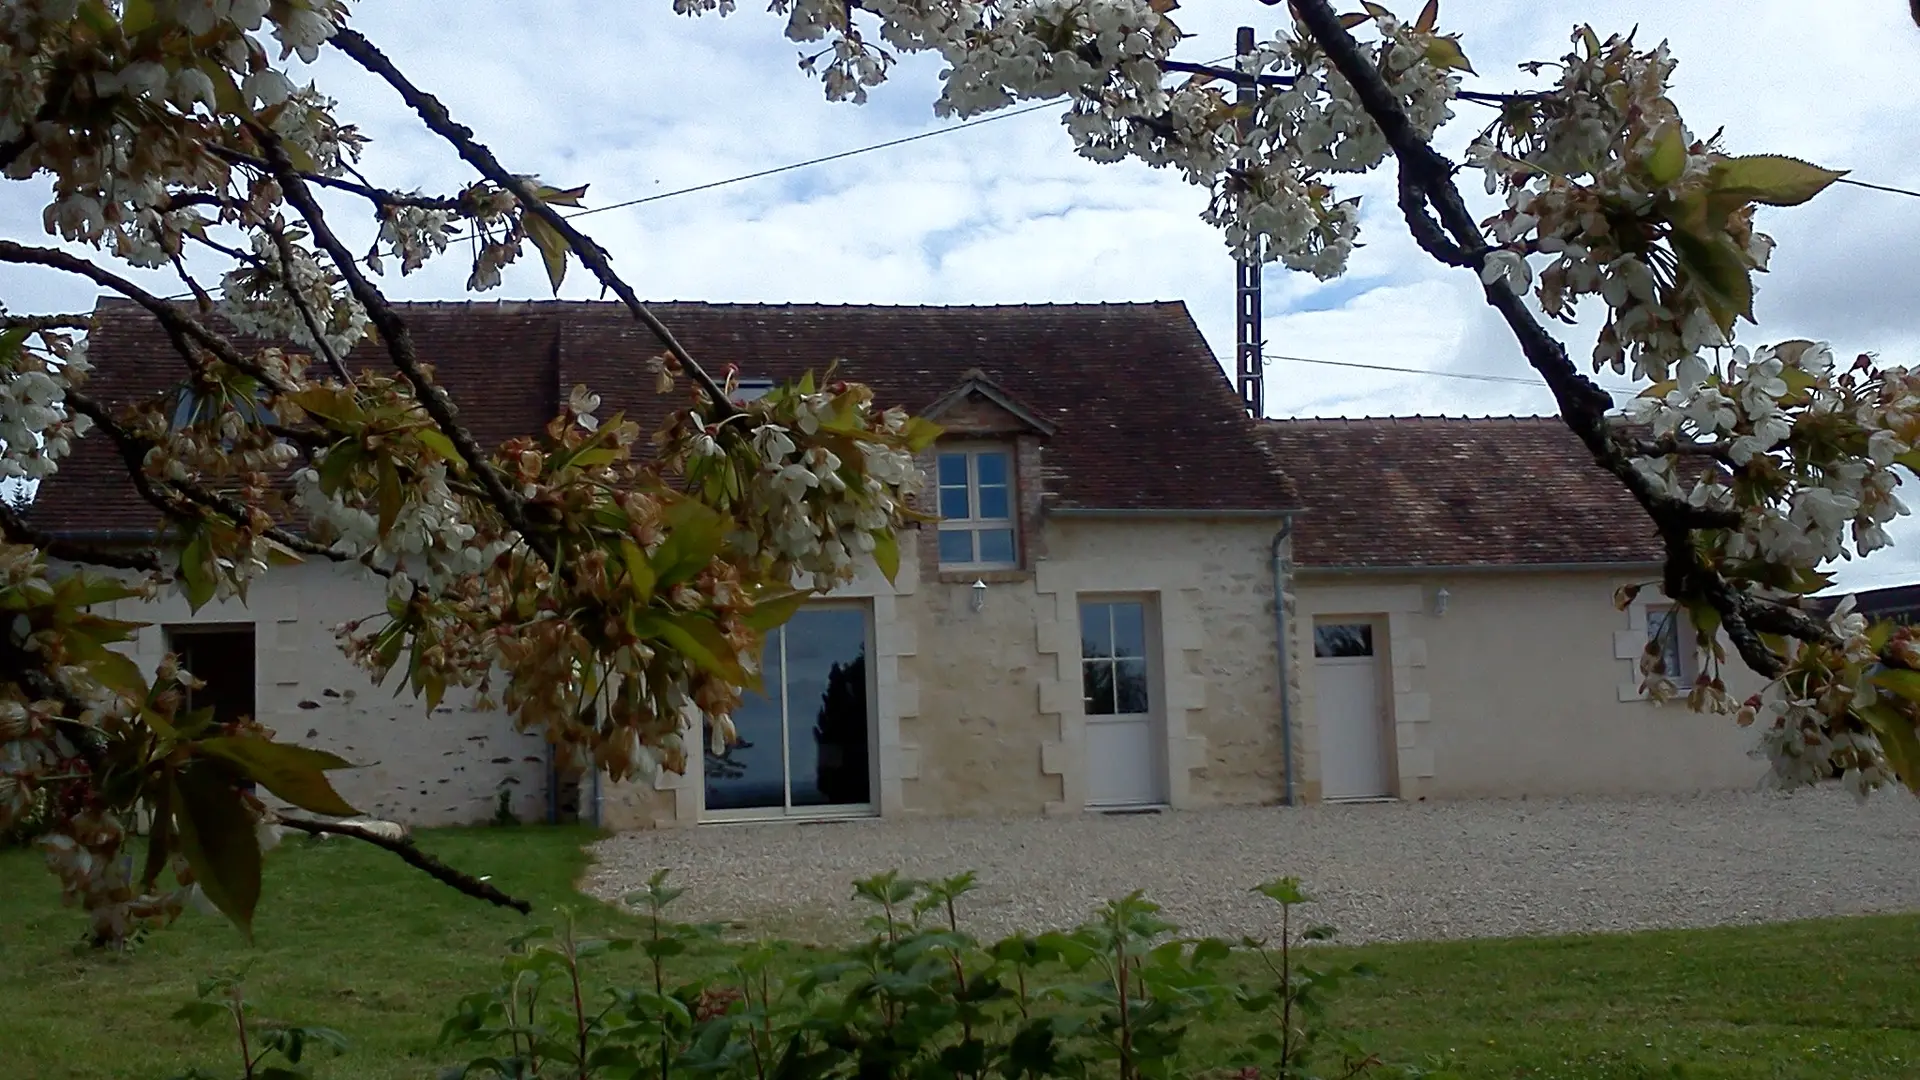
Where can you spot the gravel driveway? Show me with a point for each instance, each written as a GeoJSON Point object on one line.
{"type": "Point", "coordinates": [1382, 872]}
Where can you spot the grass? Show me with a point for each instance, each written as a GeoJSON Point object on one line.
{"type": "Point", "coordinates": [350, 938]}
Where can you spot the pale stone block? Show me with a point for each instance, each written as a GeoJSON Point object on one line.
{"type": "Point", "coordinates": [1411, 652]}
{"type": "Point", "coordinates": [1060, 697]}
{"type": "Point", "coordinates": [1412, 708]}
{"type": "Point", "coordinates": [1060, 638]}
{"type": "Point", "coordinates": [1416, 761]}
{"type": "Point", "coordinates": [1186, 692]}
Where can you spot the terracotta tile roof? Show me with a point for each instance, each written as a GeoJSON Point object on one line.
{"type": "Point", "coordinates": [1145, 417]}
{"type": "Point", "coordinates": [1435, 491]}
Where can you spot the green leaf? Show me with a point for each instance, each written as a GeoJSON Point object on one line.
{"type": "Point", "coordinates": [1445, 53]}
{"type": "Point", "coordinates": [553, 248]}
{"type": "Point", "coordinates": [696, 533]}
{"type": "Point", "coordinates": [700, 641]}
{"type": "Point", "coordinates": [195, 573]}
{"type": "Point", "coordinates": [136, 15]}
{"type": "Point", "coordinates": [640, 576]}
{"type": "Point", "coordinates": [390, 495]}
{"type": "Point", "coordinates": [1897, 738]}
{"type": "Point", "coordinates": [1773, 179]}
{"type": "Point", "coordinates": [1429, 18]}
{"type": "Point", "coordinates": [775, 608]}
{"type": "Point", "coordinates": [295, 773]}
{"type": "Point", "coordinates": [217, 838]}
{"type": "Point", "coordinates": [434, 440]}
{"type": "Point", "coordinates": [1900, 681]}
{"type": "Point", "coordinates": [1669, 157]}
{"type": "Point", "coordinates": [886, 552]}
{"type": "Point", "coordinates": [1719, 270]}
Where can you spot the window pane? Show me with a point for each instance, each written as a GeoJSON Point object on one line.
{"type": "Point", "coordinates": [956, 545]}
{"type": "Point", "coordinates": [1096, 630]}
{"type": "Point", "coordinates": [996, 545]}
{"type": "Point", "coordinates": [1343, 639]}
{"type": "Point", "coordinates": [953, 504]}
{"type": "Point", "coordinates": [1664, 628]}
{"type": "Point", "coordinates": [748, 773]}
{"type": "Point", "coordinates": [1129, 629]}
{"type": "Point", "coordinates": [1130, 686]}
{"type": "Point", "coordinates": [992, 469]}
{"type": "Point", "coordinates": [1099, 687]}
{"type": "Point", "coordinates": [994, 502]}
{"type": "Point", "coordinates": [953, 470]}
{"type": "Point", "coordinates": [827, 717]}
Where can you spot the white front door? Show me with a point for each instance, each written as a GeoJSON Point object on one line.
{"type": "Point", "coordinates": [1356, 760]}
{"type": "Point", "coordinates": [1124, 761]}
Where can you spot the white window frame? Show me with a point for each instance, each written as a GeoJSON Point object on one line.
{"type": "Point", "coordinates": [974, 523]}
{"type": "Point", "coordinates": [1676, 651]}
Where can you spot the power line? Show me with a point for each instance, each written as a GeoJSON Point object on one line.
{"type": "Point", "coordinates": [1471, 375]}
{"type": "Point", "coordinates": [816, 161]}
{"type": "Point", "coordinates": [1881, 187]}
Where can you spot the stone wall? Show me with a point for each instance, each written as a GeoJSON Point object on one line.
{"type": "Point", "coordinates": [1525, 685]}
{"type": "Point", "coordinates": [443, 768]}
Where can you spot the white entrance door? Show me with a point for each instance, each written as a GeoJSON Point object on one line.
{"type": "Point", "coordinates": [1124, 761]}
{"type": "Point", "coordinates": [1356, 760]}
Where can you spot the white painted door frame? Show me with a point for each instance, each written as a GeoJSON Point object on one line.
{"type": "Point", "coordinates": [1357, 759]}
{"type": "Point", "coordinates": [1126, 751]}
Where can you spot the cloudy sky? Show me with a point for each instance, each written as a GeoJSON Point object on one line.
{"type": "Point", "coordinates": [638, 102]}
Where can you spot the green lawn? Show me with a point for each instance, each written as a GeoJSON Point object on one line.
{"type": "Point", "coordinates": [350, 938]}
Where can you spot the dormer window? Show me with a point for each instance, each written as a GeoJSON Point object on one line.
{"type": "Point", "coordinates": [747, 389]}
{"type": "Point", "coordinates": [977, 508]}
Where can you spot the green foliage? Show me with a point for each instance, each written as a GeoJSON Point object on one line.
{"type": "Point", "coordinates": [258, 1042]}
{"type": "Point", "coordinates": [1120, 995]}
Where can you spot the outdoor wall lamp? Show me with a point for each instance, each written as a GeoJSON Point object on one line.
{"type": "Point", "coordinates": [1440, 599]}
{"type": "Point", "coordinates": [979, 594]}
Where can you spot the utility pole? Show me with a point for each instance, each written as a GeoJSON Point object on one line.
{"type": "Point", "coordinates": [1249, 343]}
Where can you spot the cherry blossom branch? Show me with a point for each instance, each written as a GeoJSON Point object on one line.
{"type": "Point", "coordinates": [37, 323]}
{"type": "Point", "coordinates": [591, 254]}
{"type": "Point", "coordinates": [412, 856]}
{"type": "Point", "coordinates": [16, 530]}
{"type": "Point", "coordinates": [307, 315]}
{"type": "Point", "coordinates": [1427, 180]}
{"type": "Point", "coordinates": [377, 195]}
{"type": "Point", "coordinates": [187, 502]}
{"type": "Point", "coordinates": [1285, 82]}
{"type": "Point", "coordinates": [398, 339]}
{"type": "Point", "coordinates": [181, 330]}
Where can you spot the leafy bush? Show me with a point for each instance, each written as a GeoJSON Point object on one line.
{"type": "Point", "coordinates": [1119, 996]}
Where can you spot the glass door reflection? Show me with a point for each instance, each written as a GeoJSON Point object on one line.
{"type": "Point", "coordinates": [804, 743]}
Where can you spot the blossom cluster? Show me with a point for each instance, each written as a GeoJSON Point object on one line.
{"type": "Point", "coordinates": [1268, 173]}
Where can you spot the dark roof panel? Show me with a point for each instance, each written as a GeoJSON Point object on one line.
{"type": "Point", "coordinates": [1433, 491]}
{"type": "Point", "coordinates": [1144, 418]}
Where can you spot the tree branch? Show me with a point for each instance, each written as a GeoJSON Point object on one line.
{"type": "Point", "coordinates": [307, 315]}
{"type": "Point", "coordinates": [179, 327]}
{"type": "Point", "coordinates": [414, 857]}
{"type": "Point", "coordinates": [37, 323]}
{"type": "Point", "coordinates": [1427, 180]}
{"type": "Point", "coordinates": [400, 348]}
{"type": "Point", "coordinates": [372, 194]}
{"type": "Point", "coordinates": [1284, 82]}
{"type": "Point", "coordinates": [16, 529]}
{"type": "Point", "coordinates": [591, 254]}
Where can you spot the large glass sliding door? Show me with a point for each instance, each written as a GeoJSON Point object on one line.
{"type": "Point", "coordinates": [805, 743]}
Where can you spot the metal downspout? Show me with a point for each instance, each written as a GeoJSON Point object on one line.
{"type": "Point", "coordinates": [1280, 646]}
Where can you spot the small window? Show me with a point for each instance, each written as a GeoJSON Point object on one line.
{"type": "Point", "coordinates": [1665, 628]}
{"type": "Point", "coordinates": [750, 389]}
{"type": "Point", "coordinates": [976, 508]}
{"type": "Point", "coordinates": [1342, 639]}
{"type": "Point", "coordinates": [222, 658]}
{"type": "Point", "coordinates": [1113, 657]}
